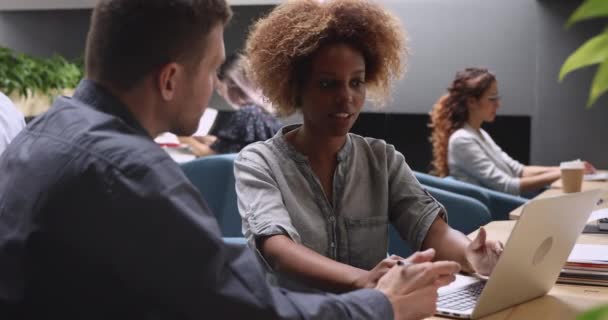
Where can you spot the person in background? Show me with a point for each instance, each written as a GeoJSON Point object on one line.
{"type": "Point", "coordinates": [316, 200]}
{"type": "Point", "coordinates": [11, 121]}
{"type": "Point", "coordinates": [252, 121]}
{"type": "Point", "coordinates": [463, 150]}
{"type": "Point", "coordinates": [98, 222]}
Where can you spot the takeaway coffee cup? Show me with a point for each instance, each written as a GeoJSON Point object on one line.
{"type": "Point", "coordinates": [572, 175]}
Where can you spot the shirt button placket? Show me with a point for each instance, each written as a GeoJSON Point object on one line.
{"type": "Point", "coordinates": [332, 244]}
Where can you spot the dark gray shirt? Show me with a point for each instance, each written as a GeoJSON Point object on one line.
{"type": "Point", "coordinates": [97, 222]}
{"type": "Point", "coordinates": [279, 194]}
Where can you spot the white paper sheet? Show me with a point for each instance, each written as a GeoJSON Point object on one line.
{"type": "Point", "coordinates": [599, 176]}
{"type": "Point", "coordinates": [206, 122]}
{"type": "Point", "coordinates": [598, 214]}
{"type": "Point", "coordinates": [589, 252]}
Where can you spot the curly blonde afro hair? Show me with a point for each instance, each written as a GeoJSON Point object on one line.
{"type": "Point", "coordinates": [281, 45]}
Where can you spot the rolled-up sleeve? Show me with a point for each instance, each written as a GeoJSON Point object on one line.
{"type": "Point", "coordinates": [473, 160]}
{"type": "Point", "coordinates": [412, 210]}
{"type": "Point", "coordinates": [260, 201]}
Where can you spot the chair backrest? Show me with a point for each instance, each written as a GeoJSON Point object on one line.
{"type": "Point", "coordinates": [465, 214]}
{"type": "Point", "coordinates": [213, 176]}
{"type": "Point", "coordinates": [499, 203]}
{"type": "Point", "coordinates": [241, 241]}
{"type": "Point", "coordinates": [454, 186]}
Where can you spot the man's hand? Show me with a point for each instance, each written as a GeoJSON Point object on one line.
{"type": "Point", "coordinates": [369, 279]}
{"type": "Point", "coordinates": [412, 287]}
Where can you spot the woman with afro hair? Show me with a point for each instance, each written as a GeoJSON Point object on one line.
{"type": "Point", "coordinates": [316, 200]}
{"type": "Point", "coordinates": [463, 150]}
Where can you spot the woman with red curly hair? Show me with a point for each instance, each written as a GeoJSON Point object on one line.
{"type": "Point", "coordinates": [462, 149]}
{"type": "Point", "coordinates": [316, 200]}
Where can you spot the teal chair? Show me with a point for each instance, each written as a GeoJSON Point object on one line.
{"type": "Point", "coordinates": [500, 204]}
{"type": "Point", "coordinates": [240, 241]}
{"type": "Point", "coordinates": [213, 176]}
{"type": "Point", "coordinates": [465, 214]}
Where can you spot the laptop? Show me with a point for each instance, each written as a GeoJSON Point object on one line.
{"type": "Point", "coordinates": [531, 261]}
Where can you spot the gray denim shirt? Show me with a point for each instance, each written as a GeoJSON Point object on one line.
{"type": "Point", "coordinates": [278, 193]}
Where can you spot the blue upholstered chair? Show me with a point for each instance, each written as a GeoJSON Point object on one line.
{"type": "Point", "coordinates": [500, 204]}
{"type": "Point", "coordinates": [213, 176]}
{"type": "Point", "coordinates": [235, 240]}
{"type": "Point", "coordinates": [465, 214]}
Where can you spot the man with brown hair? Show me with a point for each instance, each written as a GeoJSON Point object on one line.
{"type": "Point", "coordinates": [97, 221]}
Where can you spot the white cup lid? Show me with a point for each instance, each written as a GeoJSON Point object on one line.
{"type": "Point", "coordinates": [575, 164]}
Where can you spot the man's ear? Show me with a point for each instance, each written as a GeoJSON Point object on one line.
{"type": "Point", "coordinates": [168, 78]}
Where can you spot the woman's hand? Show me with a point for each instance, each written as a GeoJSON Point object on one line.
{"type": "Point", "coordinates": [198, 148]}
{"type": "Point", "coordinates": [208, 139]}
{"type": "Point", "coordinates": [589, 168]}
{"type": "Point", "coordinates": [369, 279]}
{"type": "Point", "coordinates": [483, 254]}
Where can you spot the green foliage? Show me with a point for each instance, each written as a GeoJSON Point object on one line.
{"type": "Point", "coordinates": [599, 313]}
{"type": "Point", "coordinates": [594, 51]}
{"type": "Point", "coordinates": [588, 10]}
{"type": "Point", "coordinates": [22, 73]}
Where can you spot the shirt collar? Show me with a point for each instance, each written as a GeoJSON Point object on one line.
{"type": "Point", "coordinates": [299, 157]}
{"type": "Point", "coordinates": [95, 96]}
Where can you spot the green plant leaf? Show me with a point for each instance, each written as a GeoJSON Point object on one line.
{"type": "Point", "coordinates": [594, 51]}
{"type": "Point", "coordinates": [600, 83]}
{"type": "Point", "coordinates": [588, 10]}
{"type": "Point", "coordinates": [22, 73]}
{"type": "Point", "coordinates": [599, 313]}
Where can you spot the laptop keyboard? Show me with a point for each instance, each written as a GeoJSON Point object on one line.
{"type": "Point", "coordinates": [462, 299]}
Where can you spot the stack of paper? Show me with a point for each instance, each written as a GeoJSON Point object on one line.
{"type": "Point", "coordinates": [587, 264]}
{"type": "Point", "coordinates": [598, 176]}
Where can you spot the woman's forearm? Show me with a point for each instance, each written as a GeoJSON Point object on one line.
{"type": "Point", "coordinates": [308, 266]}
{"type": "Point", "coordinates": [449, 244]}
{"type": "Point", "coordinates": [533, 183]}
{"type": "Point", "coordinates": [530, 171]}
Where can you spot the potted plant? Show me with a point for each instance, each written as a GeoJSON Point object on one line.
{"type": "Point", "coordinates": [33, 82]}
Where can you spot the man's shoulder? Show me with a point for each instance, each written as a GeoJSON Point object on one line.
{"type": "Point", "coordinates": [90, 133]}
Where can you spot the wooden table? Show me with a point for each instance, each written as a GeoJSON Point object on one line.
{"type": "Point", "coordinates": [563, 301]}
{"type": "Point", "coordinates": [556, 189]}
